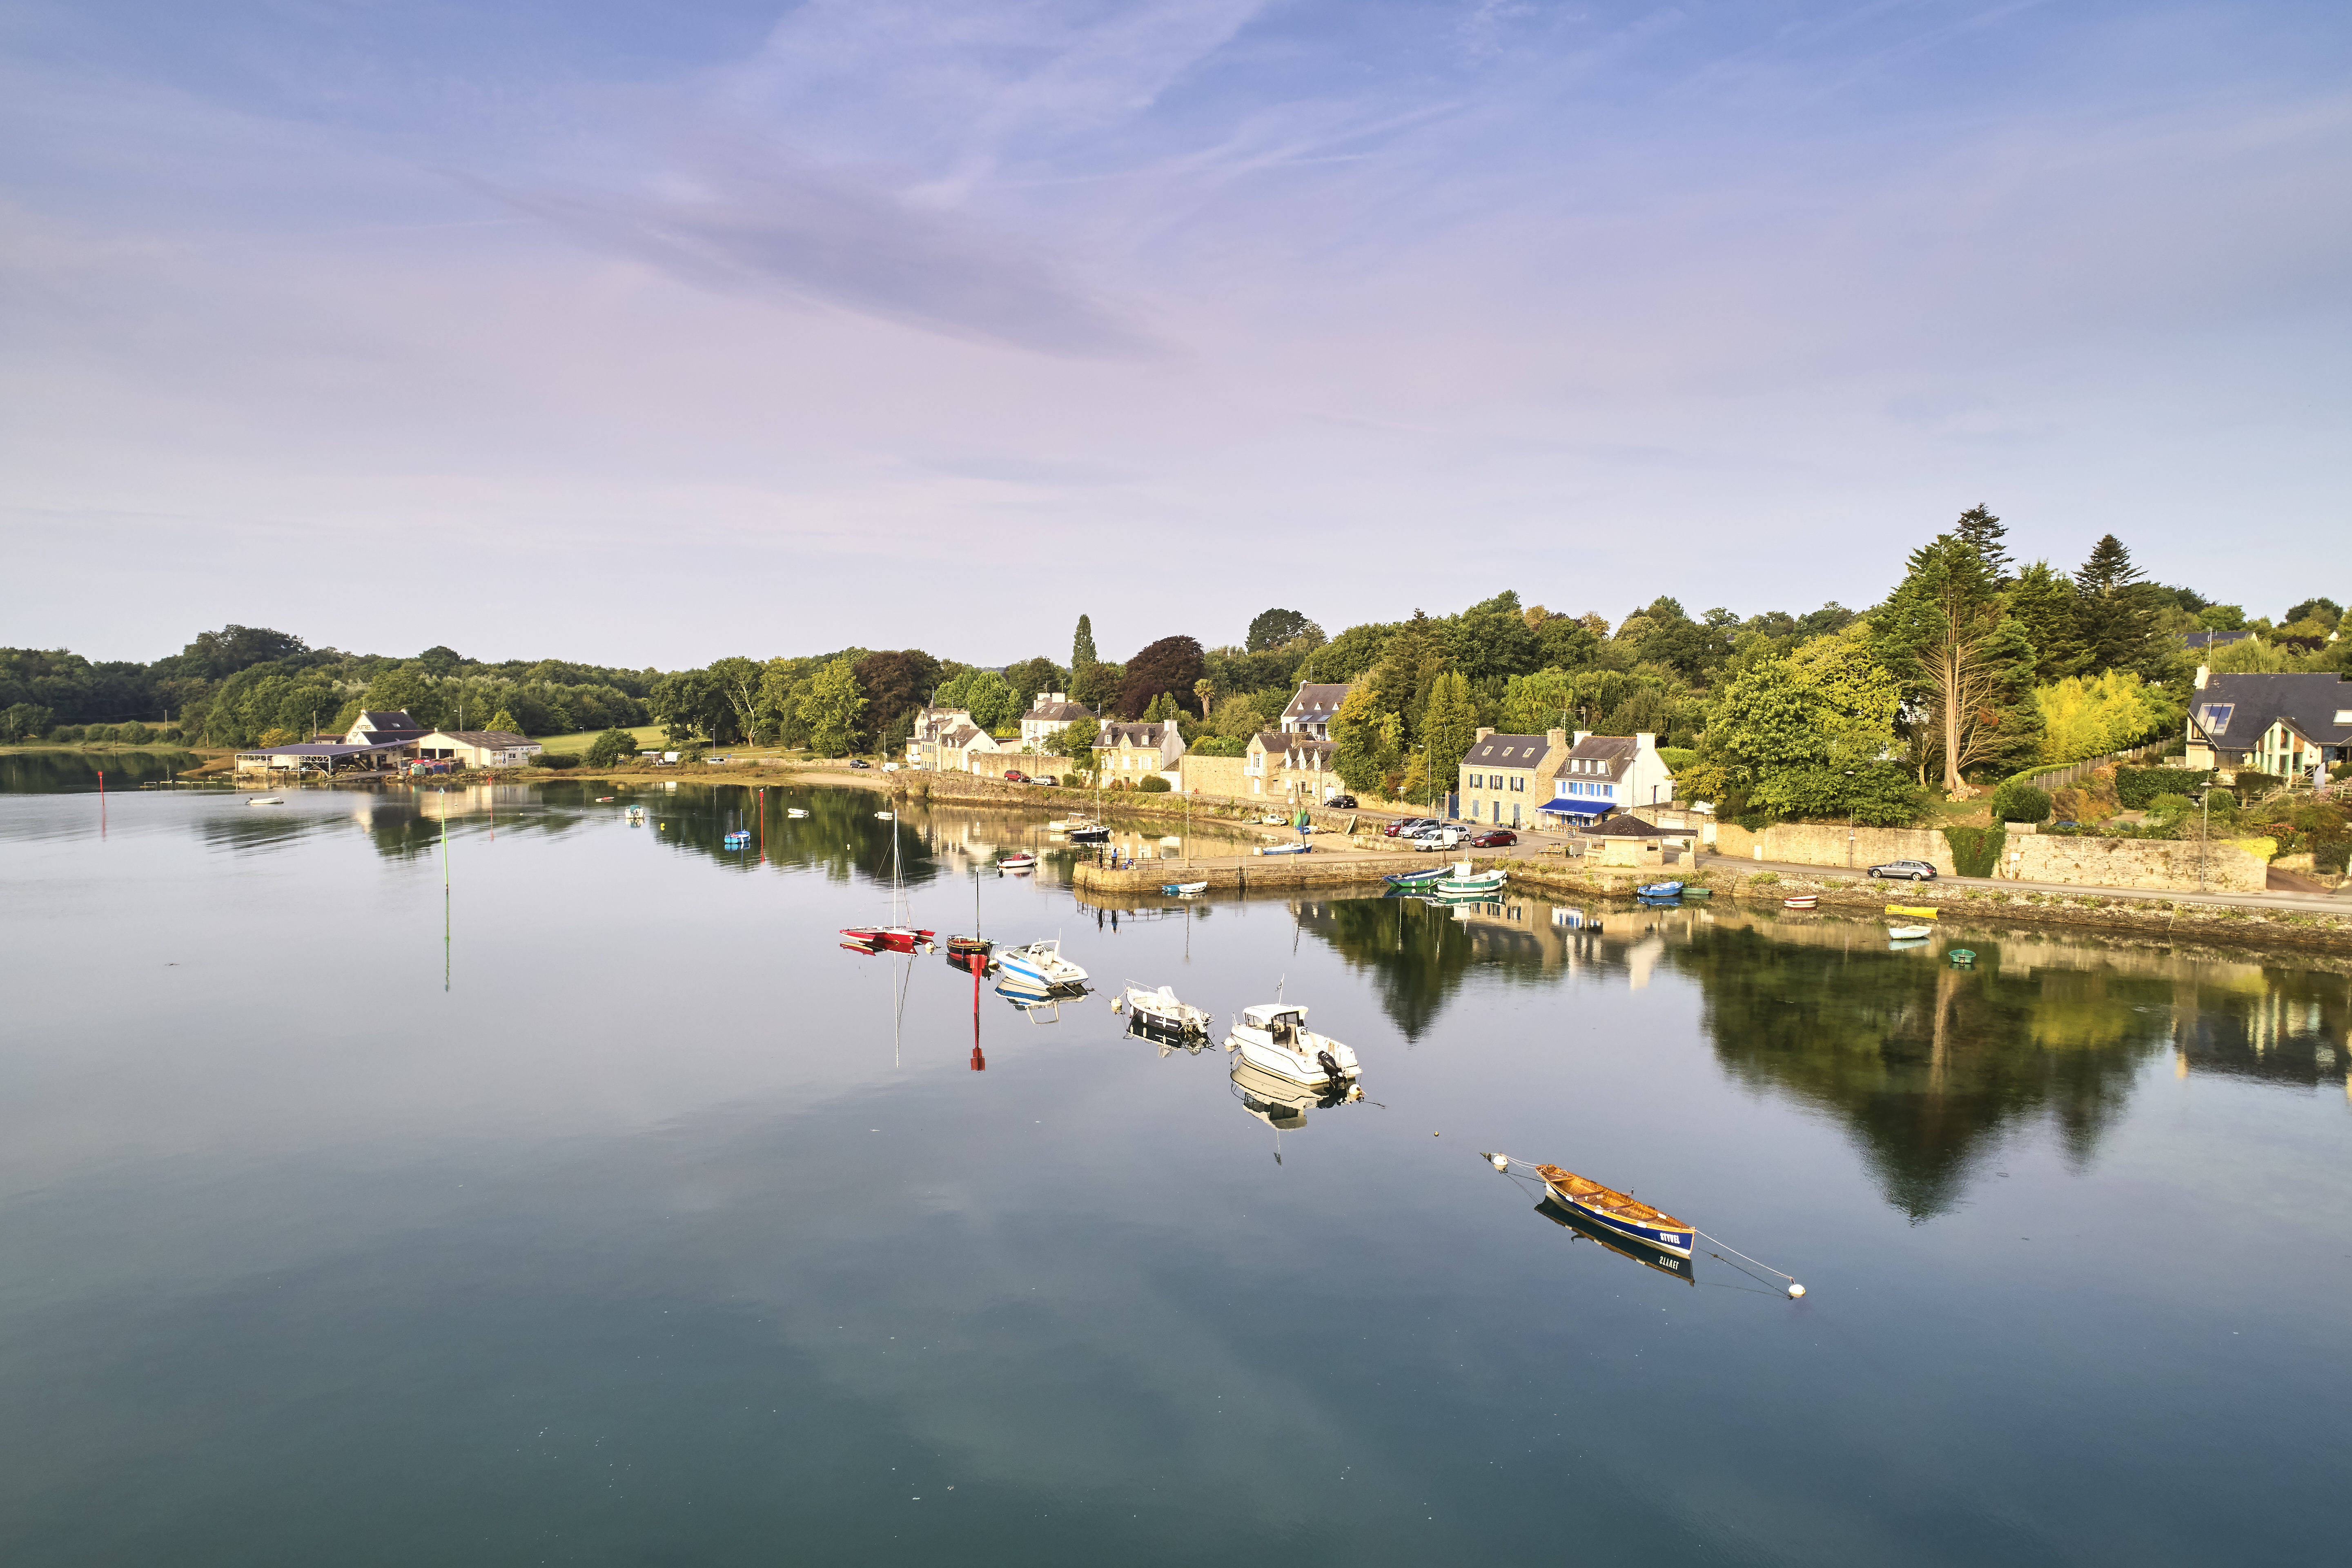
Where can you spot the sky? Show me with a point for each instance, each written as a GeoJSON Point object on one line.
{"type": "Point", "coordinates": [652, 332]}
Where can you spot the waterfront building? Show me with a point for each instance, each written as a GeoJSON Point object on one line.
{"type": "Point", "coordinates": [1310, 711]}
{"type": "Point", "coordinates": [948, 741]}
{"type": "Point", "coordinates": [1133, 750]}
{"type": "Point", "coordinates": [1600, 775]}
{"type": "Point", "coordinates": [1505, 779]}
{"type": "Point", "coordinates": [2282, 725]}
{"type": "Point", "coordinates": [1051, 710]}
{"type": "Point", "coordinates": [477, 748]}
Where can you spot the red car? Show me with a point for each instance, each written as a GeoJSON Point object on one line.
{"type": "Point", "coordinates": [1015, 776]}
{"type": "Point", "coordinates": [1493, 839]}
{"type": "Point", "coordinates": [1405, 827]}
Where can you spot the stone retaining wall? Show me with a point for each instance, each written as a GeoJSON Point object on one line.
{"type": "Point", "coordinates": [2231, 865]}
{"type": "Point", "coordinates": [1824, 844]}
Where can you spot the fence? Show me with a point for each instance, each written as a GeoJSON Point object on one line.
{"type": "Point", "coordinates": [2060, 776]}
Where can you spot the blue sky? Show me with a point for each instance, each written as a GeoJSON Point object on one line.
{"type": "Point", "coordinates": [650, 332]}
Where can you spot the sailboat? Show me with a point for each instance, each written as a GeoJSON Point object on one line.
{"type": "Point", "coordinates": [897, 936]}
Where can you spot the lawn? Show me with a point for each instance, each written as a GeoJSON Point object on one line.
{"type": "Point", "coordinates": [648, 736]}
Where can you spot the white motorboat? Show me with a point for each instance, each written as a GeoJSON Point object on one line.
{"type": "Point", "coordinates": [795, 811]}
{"type": "Point", "coordinates": [1274, 1037]}
{"type": "Point", "coordinates": [1039, 963]}
{"type": "Point", "coordinates": [267, 800]}
{"type": "Point", "coordinates": [1282, 1104]}
{"type": "Point", "coordinates": [1159, 1011]}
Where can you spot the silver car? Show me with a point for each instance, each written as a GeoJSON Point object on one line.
{"type": "Point", "coordinates": [1917, 870]}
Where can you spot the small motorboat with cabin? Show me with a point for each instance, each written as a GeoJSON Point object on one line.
{"type": "Point", "coordinates": [1463, 880]}
{"type": "Point", "coordinates": [1082, 831]}
{"type": "Point", "coordinates": [1159, 1011]}
{"type": "Point", "coordinates": [1019, 860]}
{"type": "Point", "coordinates": [1273, 1037]}
{"type": "Point", "coordinates": [1620, 1212]}
{"type": "Point", "coordinates": [1039, 963]}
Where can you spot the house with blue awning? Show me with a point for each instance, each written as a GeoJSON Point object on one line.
{"type": "Point", "coordinates": [1603, 774]}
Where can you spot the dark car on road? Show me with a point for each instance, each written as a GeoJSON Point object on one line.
{"type": "Point", "coordinates": [1917, 870]}
{"type": "Point", "coordinates": [1341, 803]}
{"type": "Point", "coordinates": [859, 762]}
{"type": "Point", "coordinates": [1493, 839]}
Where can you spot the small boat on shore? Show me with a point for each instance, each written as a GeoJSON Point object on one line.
{"type": "Point", "coordinates": [1802, 902]}
{"type": "Point", "coordinates": [1019, 860]}
{"type": "Point", "coordinates": [1660, 890]}
{"type": "Point", "coordinates": [1159, 1011]}
{"type": "Point", "coordinates": [1692, 891]}
{"type": "Point", "coordinates": [1617, 1212]}
{"type": "Point", "coordinates": [1039, 963]}
{"type": "Point", "coordinates": [1300, 848]}
{"type": "Point", "coordinates": [1908, 933]}
{"type": "Point", "coordinates": [1273, 1037]}
{"type": "Point", "coordinates": [1185, 889]}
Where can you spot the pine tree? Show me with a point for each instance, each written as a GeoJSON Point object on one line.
{"type": "Point", "coordinates": [2115, 621]}
{"type": "Point", "coordinates": [1082, 648]}
{"type": "Point", "coordinates": [504, 723]}
{"type": "Point", "coordinates": [2045, 604]}
{"type": "Point", "coordinates": [1984, 531]}
{"type": "Point", "coordinates": [1449, 726]}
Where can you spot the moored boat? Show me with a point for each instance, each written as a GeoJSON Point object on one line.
{"type": "Point", "coordinates": [1082, 831]}
{"type": "Point", "coordinates": [1019, 860]}
{"type": "Point", "coordinates": [1462, 879]}
{"type": "Point", "coordinates": [1157, 1009]}
{"type": "Point", "coordinates": [1620, 1213]}
{"type": "Point", "coordinates": [1660, 890]}
{"type": "Point", "coordinates": [892, 937]}
{"type": "Point", "coordinates": [267, 800]}
{"type": "Point", "coordinates": [969, 945]}
{"type": "Point", "coordinates": [1962, 957]}
{"type": "Point", "coordinates": [1908, 933]}
{"type": "Point", "coordinates": [795, 811]}
{"type": "Point", "coordinates": [1802, 902]}
{"type": "Point", "coordinates": [1183, 889]}
{"type": "Point", "coordinates": [1692, 891]}
{"type": "Point", "coordinates": [1273, 1037]}
{"type": "Point", "coordinates": [1283, 849]}
{"type": "Point", "coordinates": [1039, 963]}
{"type": "Point", "coordinates": [1415, 879]}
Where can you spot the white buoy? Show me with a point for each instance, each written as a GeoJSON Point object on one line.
{"type": "Point", "coordinates": [1502, 1161]}
{"type": "Point", "coordinates": [1795, 1290]}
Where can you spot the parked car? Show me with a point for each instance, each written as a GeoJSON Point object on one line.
{"type": "Point", "coordinates": [859, 762]}
{"type": "Point", "coordinates": [1917, 870]}
{"type": "Point", "coordinates": [1406, 827]}
{"type": "Point", "coordinates": [1015, 776]}
{"type": "Point", "coordinates": [1438, 839]}
{"type": "Point", "coordinates": [1493, 839]}
{"type": "Point", "coordinates": [1341, 803]}
{"type": "Point", "coordinates": [1050, 781]}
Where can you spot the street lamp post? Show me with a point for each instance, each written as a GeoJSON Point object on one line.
{"type": "Point", "coordinates": [1849, 824]}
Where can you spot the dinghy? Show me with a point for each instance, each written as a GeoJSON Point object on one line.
{"type": "Point", "coordinates": [266, 800]}
{"type": "Point", "coordinates": [1617, 1212]}
{"type": "Point", "coordinates": [1019, 860]}
{"type": "Point", "coordinates": [1159, 1011]}
{"type": "Point", "coordinates": [1660, 890]}
{"type": "Point", "coordinates": [1185, 889]}
{"type": "Point", "coordinates": [1273, 1037]}
{"type": "Point", "coordinates": [1283, 848]}
{"type": "Point", "coordinates": [1802, 902]}
{"type": "Point", "coordinates": [1039, 963]}
{"type": "Point", "coordinates": [1962, 957]}
{"type": "Point", "coordinates": [795, 811]}
{"type": "Point", "coordinates": [1908, 933]}
{"type": "Point", "coordinates": [1415, 879]}
{"type": "Point", "coordinates": [1462, 879]}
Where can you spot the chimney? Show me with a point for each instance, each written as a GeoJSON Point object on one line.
{"type": "Point", "coordinates": [2204, 674]}
{"type": "Point", "coordinates": [1555, 738]}
{"type": "Point", "coordinates": [1580, 736]}
{"type": "Point", "coordinates": [1645, 741]}
{"type": "Point", "coordinates": [1485, 731]}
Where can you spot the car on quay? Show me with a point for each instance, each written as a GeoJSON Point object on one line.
{"type": "Point", "coordinates": [1406, 827]}
{"type": "Point", "coordinates": [1341, 803]}
{"type": "Point", "coordinates": [1015, 776]}
{"type": "Point", "coordinates": [859, 762]}
{"type": "Point", "coordinates": [1439, 837]}
{"type": "Point", "coordinates": [1493, 839]}
{"type": "Point", "coordinates": [1916, 870]}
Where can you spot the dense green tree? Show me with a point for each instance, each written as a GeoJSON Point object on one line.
{"type": "Point", "coordinates": [25, 722]}
{"type": "Point", "coordinates": [1082, 648]}
{"type": "Point", "coordinates": [1984, 531]}
{"type": "Point", "coordinates": [218, 655]}
{"type": "Point", "coordinates": [1367, 742]}
{"type": "Point", "coordinates": [1807, 736]}
{"type": "Point", "coordinates": [1272, 629]}
{"type": "Point", "coordinates": [1450, 728]}
{"type": "Point", "coordinates": [832, 708]}
{"type": "Point", "coordinates": [1033, 676]}
{"type": "Point", "coordinates": [2044, 602]}
{"type": "Point", "coordinates": [611, 749]}
{"type": "Point", "coordinates": [1098, 685]}
{"type": "Point", "coordinates": [441, 661]}
{"type": "Point", "coordinates": [2114, 612]}
{"type": "Point", "coordinates": [895, 683]}
{"type": "Point", "coordinates": [1493, 638]}
{"type": "Point", "coordinates": [1965, 662]}
{"type": "Point", "coordinates": [1348, 655]}
{"type": "Point", "coordinates": [505, 723]}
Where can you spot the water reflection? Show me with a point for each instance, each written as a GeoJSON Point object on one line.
{"type": "Point", "coordinates": [1583, 1229]}
{"type": "Point", "coordinates": [43, 771]}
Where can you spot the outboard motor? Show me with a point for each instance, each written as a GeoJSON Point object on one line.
{"type": "Point", "coordinates": [1330, 1065]}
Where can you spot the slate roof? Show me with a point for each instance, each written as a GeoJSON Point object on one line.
{"type": "Point", "coordinates": [1508, 752]}
{"type": "Point", "coordinates": [1629, 827]}
{"type": "Point", "coordinates": [1137, 735]}
{"type": "Point", "coordinates": [2232, 711]}
{"type": "Point", "coordinates": [1316, 701]}
{"type": "Point", "coordinates": [1597, 757]}
{"type": "Point", "coordinates": [1059, 713]}
{"type": "Point", "coordinates": [492, 739]}
{"type": "Point", "coordinates": [397, 718]}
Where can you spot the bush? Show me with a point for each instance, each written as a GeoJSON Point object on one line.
{"type": "Point", "coordinates": [1677, 758]}
{"type": "Point", "coordinates": [1154, 785]}
{"type": "Point", "coordinates": [2251, 781]}
{"type": "Point", "coordinates": [2136, 789]}
{"type": "Point", "coordinates": [2017, 801]}
{"type": "Point", "coordinates": [612, 748]}
{"type": "Point", "coordinates": [1976, 851]}
{"type": "Point", "coordinates": [1764, 879]}
{"type": "Point", "coordinates": [557, 759]}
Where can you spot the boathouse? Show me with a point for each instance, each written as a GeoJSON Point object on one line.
{"type": "Point", "coordinates": [477, 748]}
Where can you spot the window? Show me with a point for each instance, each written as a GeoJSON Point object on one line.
{"type": "Point", "coordinates": [1519, 783]}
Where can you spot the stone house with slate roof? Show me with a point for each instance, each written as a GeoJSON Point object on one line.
{"type": "Point", "coordinates": [1291, 765]}
{"type": "Point", "coordinates": [948, 740]}
{"type": "Point", "coordinates": [1051, 710]}
{"type": "Point", "coordinates": [1504, 778]}
{"type": "Point", "coordinates": [2282, 725]}
{"type": "Point", "coordinates": [1310, 711]}
{"type": "Point", "coordinates": [1134, 751]}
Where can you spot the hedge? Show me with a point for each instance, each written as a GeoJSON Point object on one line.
{"type": "Point", "coordinates": [2017, 801]}
{"type": "Point", "coordinates": [2137, 788]}
{"type": "Point", "coordinates": [1976, 851]}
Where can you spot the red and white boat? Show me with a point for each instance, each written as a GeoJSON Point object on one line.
{"type": "Point", "coordinates": [1019, 860]}
{"type": "Point", "coordinates": [889, 939]}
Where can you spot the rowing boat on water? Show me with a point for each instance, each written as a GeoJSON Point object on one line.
{"type": "Point", "coordinates": [1619, 1212]}
{"type": "Point", "coordinates": [1185, 889]}
{"type": "Point", "coordinates": [1802, 902]}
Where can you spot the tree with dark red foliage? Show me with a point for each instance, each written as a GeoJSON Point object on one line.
{"type": "Point", "coordinates": [894, 684]}
{"type": "Point", "coordinates": [1170, 664]}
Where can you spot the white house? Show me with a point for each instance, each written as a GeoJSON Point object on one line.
{"type": "Point", "coordinates": [477, 748]}
{"type": "Point", "coordinates": [1130, 751]}
{"type": "Point", "coordinates": [1051, 710]}
{"type": "Point", "coordinates": [383, 729]}
{"type": "Point", "coordinates": [1294, 765]}
{"type": "Point", "coordinates": [1310, 711]}
{"type": "Point", "coordinates": [947, 740]}
{"type": "Point", "coordinates": [1603, 774]}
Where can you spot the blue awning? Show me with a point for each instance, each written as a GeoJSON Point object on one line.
{"type": "Point", "coordinates": [1567, 806]}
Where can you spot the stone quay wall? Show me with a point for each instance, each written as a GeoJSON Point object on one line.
{"type": "Point", "coordinates": [2230, 865]}
{"type": "Point", "coordinates": [1824, 844]}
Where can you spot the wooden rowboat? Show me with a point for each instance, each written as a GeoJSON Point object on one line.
{"type": "Point", "coordinates": [1802, 902]}
{"type": "Point", "coordinates": [1619, 1212]}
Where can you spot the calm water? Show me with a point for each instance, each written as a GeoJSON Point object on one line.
{"type": "Point", "coordinates": [607, 1211]}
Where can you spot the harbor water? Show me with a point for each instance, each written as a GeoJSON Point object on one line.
{"type": "Point", "coordinates": [475, 1176]}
